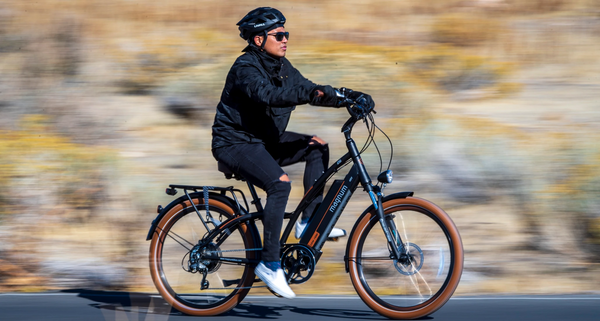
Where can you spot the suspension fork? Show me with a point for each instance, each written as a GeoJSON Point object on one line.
{"type": "Point", "coordinates": [389, 229]}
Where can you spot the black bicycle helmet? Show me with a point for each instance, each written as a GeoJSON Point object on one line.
{"type": "Point", "coordinates": [260, 20]}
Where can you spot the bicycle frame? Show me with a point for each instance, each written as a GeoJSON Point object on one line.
{"type": "Point", "coordinates": [325, 216]}
{"type": "Point", "coordinates": [328, 212]}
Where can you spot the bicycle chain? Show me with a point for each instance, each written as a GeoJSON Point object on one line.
{"type": "Point", "coordinates": [238, 288]}
{"type": "Point", "coordinates": [244, 250]}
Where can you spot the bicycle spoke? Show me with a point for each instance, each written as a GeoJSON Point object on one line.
{"type": "Point", "coordinates": [180, 237]}
{"type": "Point", "coordinates": [422, 270]}
{"type": "Point", "coordinates": [415, 271]}
{"type": "Point", "coordinates": [405, 238]}
{"type": "Point", "coordinates": [374, 258]}
{"type": "Point", "coordinates": [193, 232]}
{"type": "Point", "coordinates": [202, 275]}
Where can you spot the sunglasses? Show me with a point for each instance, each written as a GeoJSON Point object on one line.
{"type": "Point", "coordinates": [279, 36]}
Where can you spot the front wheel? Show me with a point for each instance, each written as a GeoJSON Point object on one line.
{"type": "Point", "coordinates": [428, 271]}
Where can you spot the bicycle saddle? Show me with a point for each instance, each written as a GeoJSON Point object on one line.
{"type": "Point", "coordinates": [229, 174]}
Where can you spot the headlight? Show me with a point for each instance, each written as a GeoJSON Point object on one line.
{"type": "Point", "coordinates": [385, 177]}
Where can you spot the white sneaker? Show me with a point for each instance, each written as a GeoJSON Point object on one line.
{"type": "Point", "coordinates": [275, 280]}
{"type": "Point", "coordinates": [300, 227]}
{"type": "Point", "coordinates": [335, 232]}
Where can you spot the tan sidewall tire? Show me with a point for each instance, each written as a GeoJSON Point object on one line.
{"type": "Point", "coordinates": [457, 269]}
{"type": "Point", "coordinates": [155, 250]}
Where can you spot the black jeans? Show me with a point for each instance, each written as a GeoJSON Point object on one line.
{"type": "Point", "coordinates": [261, 166]}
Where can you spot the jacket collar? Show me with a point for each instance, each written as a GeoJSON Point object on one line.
{"type": "Point", "coordinates": [272, 65]}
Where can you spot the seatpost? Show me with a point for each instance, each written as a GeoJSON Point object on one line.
{"type": "Point", "coordinates": [255, 199]}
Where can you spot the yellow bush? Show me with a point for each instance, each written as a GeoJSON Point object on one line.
{"type": "Point", "coordinates": [34, 155]}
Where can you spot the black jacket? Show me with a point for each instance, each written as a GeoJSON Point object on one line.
{"type": "Point", "coordinates": [259, 95]}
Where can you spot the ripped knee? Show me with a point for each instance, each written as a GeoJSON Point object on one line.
{"type": "Point", "coordinates": [281, 187]}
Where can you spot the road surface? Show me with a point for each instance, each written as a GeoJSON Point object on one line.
{"type": "Point", "coordinates": [121, 306]}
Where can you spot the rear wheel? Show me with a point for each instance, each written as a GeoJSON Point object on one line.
{"type": "Point", "coordinates": [425, 276]}
{"type": "Point", "coordinates": [183, 264]}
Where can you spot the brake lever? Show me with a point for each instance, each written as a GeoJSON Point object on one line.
{"type": "Point", "coordinates": [349, 104]}
{"type": "Point", "coordinates": [359, 104]}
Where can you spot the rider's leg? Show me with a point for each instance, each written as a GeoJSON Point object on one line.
{"type": "Point", "coordinates": [278, 192]}
{"type": "Point", "coordinates": [269, 269]}
{"type": "Point", "coordinates": [314, 151]}
{"type": "Point", "coordinates": [259, 168]}
{"type": "Point", "coordinates": [317, 160]}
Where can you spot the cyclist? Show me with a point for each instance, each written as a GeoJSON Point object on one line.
{"type": "Point", "coordinates": [261, 90]}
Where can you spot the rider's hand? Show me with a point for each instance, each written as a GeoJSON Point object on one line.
{"type": "Point", "coordinates": [362, 99]}
{"type": "Point", "coordinates": [324, 96]}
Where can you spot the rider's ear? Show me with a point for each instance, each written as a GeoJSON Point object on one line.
{"type": "Point", "coordinates": [258, 40]}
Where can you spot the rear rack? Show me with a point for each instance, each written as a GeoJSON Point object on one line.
{"type": "Point", "coordinates": [172, 190]}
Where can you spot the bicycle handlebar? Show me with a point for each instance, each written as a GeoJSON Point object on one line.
{"type": "Point", "coordinates": [358, 108]}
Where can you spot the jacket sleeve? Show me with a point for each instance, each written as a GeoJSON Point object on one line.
{"type": "Point", "coordinates": [329, 100]}
{"type": "Point", "coordinates": [258, 87]}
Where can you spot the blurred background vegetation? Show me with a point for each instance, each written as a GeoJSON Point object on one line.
{"type": "Point", "coordinates": [492, 106]}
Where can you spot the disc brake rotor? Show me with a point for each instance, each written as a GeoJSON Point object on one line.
{"type": "Point", "coordinates": [412, 262]}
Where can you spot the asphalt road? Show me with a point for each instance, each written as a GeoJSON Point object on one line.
{"type": "Point", "coordinates": [120, 306]}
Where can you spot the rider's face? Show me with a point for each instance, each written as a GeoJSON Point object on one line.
{"type": "Point", "coordinates": [273, 47]}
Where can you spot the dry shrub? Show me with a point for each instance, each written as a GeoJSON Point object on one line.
{"type": "Point", "coordinates": [536, 6]}
{"type": "Point", "coordinates": [387, 8]}
{"type": "Point", "coordinates": [571, 194]}
{"type": "Point", "coordinates": [552, 179]}
{"type": "Point", "coordinates": [150, 60]}
{"type": "Point", "coordinates": [35, 156]}
{"type": "Point", "coordinates": [192, 95]}
{"type": "Point", "coordinates": [461, 29]}
{"type": "Point", "coordinates": [45, 177]}
{"type": "Point", "coordinates": [67, 40]}
{"type": "Point", "coordinates": [594, 234]}
{"type": "Point", "coordinates": [452, 70]}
